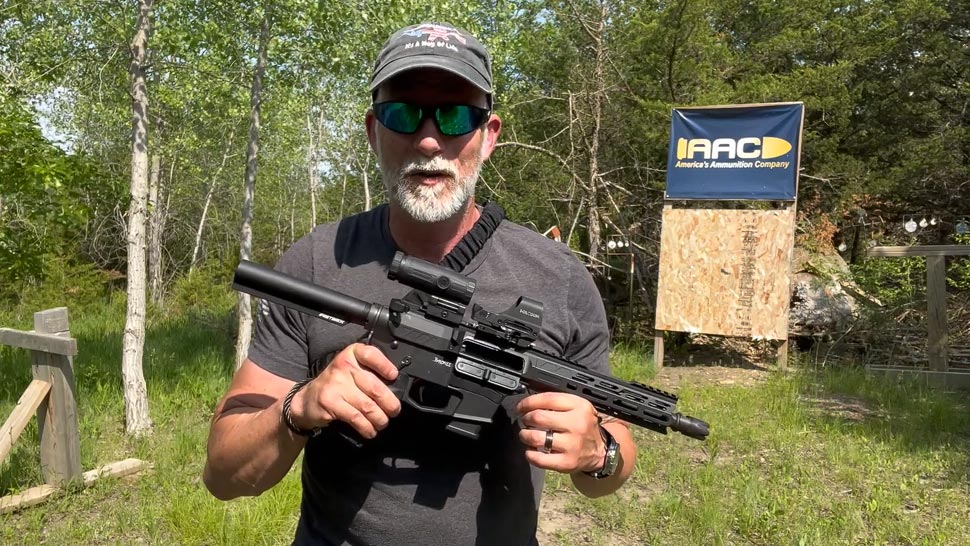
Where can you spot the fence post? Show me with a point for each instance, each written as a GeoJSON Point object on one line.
{"type": "Point", "coordinates": [936, 344]}
{"type": "Point", "coordinates": [57, 426]}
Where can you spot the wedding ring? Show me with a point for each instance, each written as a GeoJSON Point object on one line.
{"type": "Point", "coordinates": [547, 447]}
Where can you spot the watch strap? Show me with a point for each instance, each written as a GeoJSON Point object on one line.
{"type": "Point", "coordinates": [610, 459]}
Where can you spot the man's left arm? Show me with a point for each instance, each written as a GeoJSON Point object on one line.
{"type": "Point", "coordinates": [591, 346]}
{"type": "Point", "coordinates": [562, 432]}
{"type": "Point", "coordinates": [593, 487]}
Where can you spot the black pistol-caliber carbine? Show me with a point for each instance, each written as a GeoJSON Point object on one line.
{"type": "Point", "coordinates": [475, 363]}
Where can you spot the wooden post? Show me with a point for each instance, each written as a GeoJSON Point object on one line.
{"type": "Point", "coordinates": [936, 343]}
{"type": "Point", "coordinates": [630, 282]}
{"type": "Point", "coordinates": [60, 445]}
{"type": "Point", "coordinates": [937, 330]}
{"type": "Point", "coordinates": [782, 359]}
{"type": "Point", "coordinates": [658, 348]}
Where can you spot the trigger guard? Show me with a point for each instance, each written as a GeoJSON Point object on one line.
{"type": "Point", "coordinates": [447, 410]}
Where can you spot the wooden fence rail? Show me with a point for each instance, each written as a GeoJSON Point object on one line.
{"type": "Point", "coordinates": [51, 396]}
{"type": "Point", "coordinates": [937, 343]}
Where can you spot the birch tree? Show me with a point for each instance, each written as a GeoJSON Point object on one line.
{"type": "Point", "coordinates": [590, 124]}
{"type": "Point", "coordinates": [137, 420]}
{"type": "Point", "coordinates": [249, 187]}
{"type": "Point", "coordinates": [156, 223]}
{"type": "Point", "coordinates": [207, 201]}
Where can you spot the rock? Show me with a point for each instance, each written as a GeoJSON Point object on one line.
{"type": "Point", "coordinates": [819, 302]}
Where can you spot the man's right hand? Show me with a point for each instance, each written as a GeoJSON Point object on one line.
{"type": "Point", "coordinates": [353, 388]}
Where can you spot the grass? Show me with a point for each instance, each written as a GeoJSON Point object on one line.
{"type": "Point", "coordinates": [188, 362]}
{"type": "Point", "coordinates": [820, 456]}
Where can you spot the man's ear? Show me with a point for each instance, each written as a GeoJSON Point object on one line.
{"type": "Point", "coordinates": [493, 128]}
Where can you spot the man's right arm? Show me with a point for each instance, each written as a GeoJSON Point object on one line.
{"type": "Point", "coordinates": [250, 449]}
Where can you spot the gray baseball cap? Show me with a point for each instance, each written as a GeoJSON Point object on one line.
{"type": "Point", "coordinates": [434, 45]}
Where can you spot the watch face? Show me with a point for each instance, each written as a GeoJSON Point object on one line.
{"type": "Point", "coordinates": [612, 459]}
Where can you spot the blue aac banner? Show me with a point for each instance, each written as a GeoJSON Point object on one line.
{"type": "Point", "coordinates": [735, 152]}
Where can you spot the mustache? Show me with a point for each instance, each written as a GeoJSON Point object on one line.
{"type": "Point", "coordinates": [436, 166]}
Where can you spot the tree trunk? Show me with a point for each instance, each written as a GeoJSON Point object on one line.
{"type": "Point", "coordinates": [156, 215]}
{"type": "Point", "coordinates": [249, 190]}
{"type": "Point", "coordinates": [596, 100]}
{"type": "Point", "coordinates": [311, 159]}
{"type": "Point", "coordinates": [198, 232]}
{"type": "Point", "coordinates": [343, 194]}
{"type": "Point", "coordinates": [208, 201]}
{"type": "Point", "coordinates": [278, 245]}
{"type": "Point", "coordinates": [137, 420]}
{"type": "Point", "coordinates": [293, 219]}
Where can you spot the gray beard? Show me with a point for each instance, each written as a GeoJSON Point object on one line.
{"type": "Point", "coordinates": [429, 204]}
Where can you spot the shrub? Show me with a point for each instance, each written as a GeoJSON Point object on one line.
{"type": "Point", "coordinates": [77, 286]}
{"type": "Point", "coordinates": [892, 280]}
{"type": "Point", "coordinates": [204, 291]}
{"type": "Point", "coordinates": [958, 271]}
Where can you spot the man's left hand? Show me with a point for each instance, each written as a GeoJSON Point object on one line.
{"type": "Point", "coordinates": [577, 444]}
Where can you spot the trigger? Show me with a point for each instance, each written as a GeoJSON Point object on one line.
{"type": "Point", "coordinates": [401, 386]}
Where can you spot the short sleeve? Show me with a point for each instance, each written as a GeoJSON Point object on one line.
{"type": "Point", "coordinates": [589, 343]}
{"type": "Point", "coordinates": [279, 343]}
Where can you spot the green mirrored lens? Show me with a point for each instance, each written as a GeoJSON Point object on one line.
{"type": "Point", "coordinates": [456, 120]}
{"type": "Point", "coordinates": [400, 117]}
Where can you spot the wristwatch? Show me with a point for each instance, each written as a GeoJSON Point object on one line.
{"type": "Point", "coordinates": [611, 461]}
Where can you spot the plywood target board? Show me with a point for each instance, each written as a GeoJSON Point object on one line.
{"type": "Point", "coordinates": [725, 272]}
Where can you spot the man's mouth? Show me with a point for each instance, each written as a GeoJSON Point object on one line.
{"type": "Point", "coordinates": [428, 176]}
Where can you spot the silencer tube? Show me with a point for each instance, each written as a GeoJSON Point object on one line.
{"type": "Point", "coordinates": [269, 284]}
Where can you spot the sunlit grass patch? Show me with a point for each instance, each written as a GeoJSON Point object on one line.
{"type": "Point", "coordinates": [817, 457]}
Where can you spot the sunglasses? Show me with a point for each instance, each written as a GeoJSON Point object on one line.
{"type": "Point", "coordinates": [450, 119]}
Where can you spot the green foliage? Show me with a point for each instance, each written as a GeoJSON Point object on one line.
{"type": "Point", "coordinates": [79, 286]}
{"type": "Point", "coordinates": [205, 292]}
{"type": "Point", "coordinates": [631, 363]}
{"type": "Point", "coordinates": [586, 87]}
{"type": "Point", "coordinates": [41, 190]}
{"type": "Point", "coordinates": [958, 270]}
{"type": "Point", "coordinates": [893, 281]}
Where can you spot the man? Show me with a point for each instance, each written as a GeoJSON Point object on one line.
{"type": "Point", "coordinates": [411, 481]}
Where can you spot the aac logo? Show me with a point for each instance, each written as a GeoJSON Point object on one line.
{"type": "Point", "coordinates": [741, 148]}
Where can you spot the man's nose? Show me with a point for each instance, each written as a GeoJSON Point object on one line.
{"type": "Point", "coordinates": [427, 139]}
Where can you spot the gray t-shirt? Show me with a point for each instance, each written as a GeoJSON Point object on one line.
{"type": "Point", "coordinates": [417, 483]}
